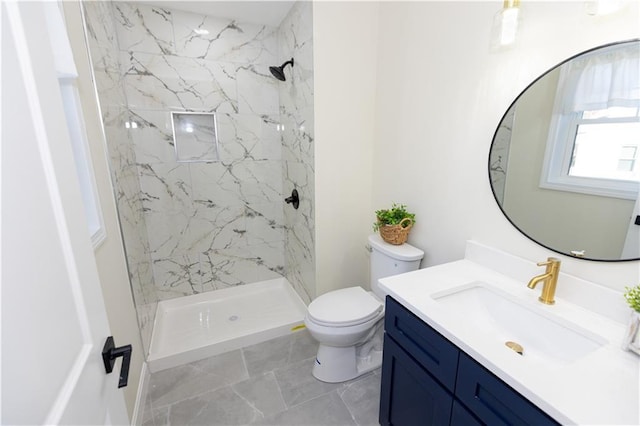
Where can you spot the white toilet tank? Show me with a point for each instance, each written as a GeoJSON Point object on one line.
{"type": "Point", "coordinates": [388, 259]}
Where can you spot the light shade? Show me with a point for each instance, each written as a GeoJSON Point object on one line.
{"type": "Point", "coordinates": [505, 24]}
{"type": "Point", "coordinates": [509, 25]}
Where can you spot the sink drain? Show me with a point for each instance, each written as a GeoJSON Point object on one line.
{"type": "Point", "coordinates": [233, 318]}
{"type": "Point", "coordinates": [516, 347]}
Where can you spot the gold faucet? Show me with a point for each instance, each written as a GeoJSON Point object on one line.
{"type": "Point", "coordinates": [550, 279]}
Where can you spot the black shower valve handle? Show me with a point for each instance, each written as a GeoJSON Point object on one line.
{"type": "Point", "coordinates": [293, 199]}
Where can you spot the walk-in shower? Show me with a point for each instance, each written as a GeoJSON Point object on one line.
{"type": "Point", "coordinates": [205, 145]}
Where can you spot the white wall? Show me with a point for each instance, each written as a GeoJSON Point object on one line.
{"type": "Point", "coordinates": [345, 60]}
{"type": "Point", "coordinates": [441, 94]}
{"type": "Point", "coordinates": [110, 258]}
{"type": "Point", "coordinates": [438, 94]}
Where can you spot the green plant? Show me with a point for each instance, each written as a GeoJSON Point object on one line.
{"type": "Point", "coordinates": [393, 216]}
{"type": "Point", "coordinates": [632, 295]}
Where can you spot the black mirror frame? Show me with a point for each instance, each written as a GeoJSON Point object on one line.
{"type": "Point", "coordinates": [495, 197]}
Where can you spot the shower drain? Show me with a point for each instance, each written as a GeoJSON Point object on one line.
{"type": "Point", "coordinates": [233, 318]}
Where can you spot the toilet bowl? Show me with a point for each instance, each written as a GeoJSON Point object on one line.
{"type": "Point", "coordinates": [347, 323]}
{"type": "Point", "coordinates": [342, 321]}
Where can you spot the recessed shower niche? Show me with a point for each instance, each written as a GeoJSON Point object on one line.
{"type": "Point", "coordinates": [195, 136]}
{"type": "Point", "coordinates": [207, 211]}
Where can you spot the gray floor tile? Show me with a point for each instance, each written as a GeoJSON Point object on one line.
{"type": "Point", "coordinates": [147, 421]}
{"type": "Point", "coordinates": [147, 416]}
{"type": "Point", "coordinates": [262, 393]}
{"type": "Point", "coordinates": [279, 391]}
{"type": "Point", "coordinates": [219, 407]}
{"type": "Point", "coordinates": [304, 346]}
{"type": "Point", "coordinates": [298, 384]}
{"type": "Point", "coordinates": [325, 410]}
{"type": "Point", "coordinates": [178, 383]}
{"type": "Point", "coordinates": [362, 398]}
{"type": "Point", "coordinates": [161, 416]}
{"type": "Point", "coordinates": [279, 352]}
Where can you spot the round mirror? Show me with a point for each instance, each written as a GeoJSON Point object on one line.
{"type": "Point", "coordinates": [564, 164]}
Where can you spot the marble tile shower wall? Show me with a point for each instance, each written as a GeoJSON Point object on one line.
{"type": "Point", "coordinates": [499, 159]}
{"type": "Point", "coordinates": [210, 225]}
{"type": "Point", "coordinates": [295, 40]}
{"type": "Point", "coordinates": [104, 52]}
{"type": "Point", "coordinates": [201, 226]}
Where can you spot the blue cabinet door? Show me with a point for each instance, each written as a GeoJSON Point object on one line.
{"type": "Point", "coordinates": [409, 395]}
{"type": "Point", "coordinates": [460, 416]}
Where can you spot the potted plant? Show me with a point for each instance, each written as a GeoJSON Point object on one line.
{"type": "Point", "coordinates": [394, 224]}
{"type": "Point", "coordinates": [632, 339]}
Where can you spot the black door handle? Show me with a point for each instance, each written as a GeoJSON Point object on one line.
{"type": "Point", "coordinates": [294, 199]}
{"type": "Point", "coordinates": [109, 355]}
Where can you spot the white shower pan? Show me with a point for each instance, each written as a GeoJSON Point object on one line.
{"type": "Point", "coordinates": [195, 327]}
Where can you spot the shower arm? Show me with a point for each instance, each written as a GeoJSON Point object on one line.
{"type": "Point", "coordinates": [290, 61]}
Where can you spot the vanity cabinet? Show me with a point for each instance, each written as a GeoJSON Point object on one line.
{"type": "Point", "coordinates": [427, 380]}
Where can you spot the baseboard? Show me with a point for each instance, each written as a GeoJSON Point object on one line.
{"type": "Point", "coordinates": [138, 410]}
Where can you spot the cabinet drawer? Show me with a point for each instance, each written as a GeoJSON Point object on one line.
{"type": "Point", "coordinates": [427, 346]}
{"type": "Point", "coordinates": [493, 401]}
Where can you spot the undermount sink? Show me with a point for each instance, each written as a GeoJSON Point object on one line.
{"type": "Point", "coordinates": [503, 318]}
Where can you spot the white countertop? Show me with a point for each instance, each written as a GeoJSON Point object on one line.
{"type": "Point", "coordinates": [602, 387]}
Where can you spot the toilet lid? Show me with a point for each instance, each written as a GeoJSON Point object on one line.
{"type": "Point", "coordinates": [344, 307]}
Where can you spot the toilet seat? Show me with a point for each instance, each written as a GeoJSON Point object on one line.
{"type": "Point", "coordinates": [344, 308]}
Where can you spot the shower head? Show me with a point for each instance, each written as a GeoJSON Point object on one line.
{"type": "Point", "coordinates": [278, 72]}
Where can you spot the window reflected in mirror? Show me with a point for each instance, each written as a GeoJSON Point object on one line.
{"type": "Point", "coordinates": [564, 164]}
{"type": "Point", "coordinates": [606, 144]}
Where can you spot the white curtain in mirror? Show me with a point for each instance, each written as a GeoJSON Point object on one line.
{"type": "Point", "coordinates": [602, 80]}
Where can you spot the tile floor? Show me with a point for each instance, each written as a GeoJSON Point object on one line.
{"type": "Point", "coordinates": [265, 384]}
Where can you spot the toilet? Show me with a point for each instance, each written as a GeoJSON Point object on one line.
{"type": "Point", "coordinates": [347, 323]}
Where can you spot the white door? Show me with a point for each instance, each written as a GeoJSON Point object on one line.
{"type": "Point", "coordinates": [54, 323]}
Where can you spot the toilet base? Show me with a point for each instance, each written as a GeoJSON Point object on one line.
{"type": "Point", "coordinates": [339, 364]}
